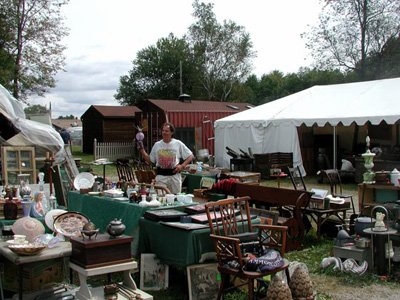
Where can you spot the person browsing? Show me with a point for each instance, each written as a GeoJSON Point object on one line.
{"type": "Point", "coordinates": [166, 154]}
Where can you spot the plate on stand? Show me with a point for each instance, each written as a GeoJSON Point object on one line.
{"type": "Point", "coordinates": [70, 224]}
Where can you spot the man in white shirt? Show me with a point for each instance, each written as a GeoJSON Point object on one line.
{"type": "Point", "coordinates": [166, 155]}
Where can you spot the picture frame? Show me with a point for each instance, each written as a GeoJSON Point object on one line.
{"type": "Point", "coordinates": [203, 281]}
{"type": "Point", "coordinates": [154, 275]}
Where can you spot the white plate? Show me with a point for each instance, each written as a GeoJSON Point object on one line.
{"type": "Point", "coordinates": [51, 216]}
{"type": "Point", "coordinates": [102, 161]}
{"type": "Point", "coordinates": [70, 223]}
{"type": "Point", "coordinates": [83, 180]}
{"type": "Point", "coordinates": [94, 193]}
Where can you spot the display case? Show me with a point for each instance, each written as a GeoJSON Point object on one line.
{"type": "Point", "coordinates": [17, 160]}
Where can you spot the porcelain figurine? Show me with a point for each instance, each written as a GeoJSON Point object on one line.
{"type": "Point", "coordinates": [115, 228]}
{"type": "Point", "coordinates": [379, 220]}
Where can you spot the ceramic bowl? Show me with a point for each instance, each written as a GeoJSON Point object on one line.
{"type": "Point", "coordinates": [28, 249]}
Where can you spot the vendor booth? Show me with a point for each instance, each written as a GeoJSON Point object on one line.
{"type": "Point", "coordinates": [272, 127]}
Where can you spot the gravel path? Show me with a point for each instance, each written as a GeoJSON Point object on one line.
{"type": "Point", "coordinates": [330, 286]}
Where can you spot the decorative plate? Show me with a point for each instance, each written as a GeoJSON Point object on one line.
{"type": "Point", "coordinates": [51, 216]}
{"type": "Point", "coordinates": [83, 180]}
{"type": "Point", "coordinates": [30, 227]}
{"type": "Point", "coordinates": [70, 223]}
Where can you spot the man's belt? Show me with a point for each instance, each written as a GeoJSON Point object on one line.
{"type": "Point", "coordinates": [165, 172]}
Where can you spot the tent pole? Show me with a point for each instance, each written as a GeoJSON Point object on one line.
{"type": "Point", "coordinates": [334, 147]}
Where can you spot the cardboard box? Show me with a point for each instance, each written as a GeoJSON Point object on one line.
{"type": "Point", "coordinates": [100, 251]}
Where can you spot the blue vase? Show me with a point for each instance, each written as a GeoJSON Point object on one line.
{"type": "Point", "coordinates": [26, 207]}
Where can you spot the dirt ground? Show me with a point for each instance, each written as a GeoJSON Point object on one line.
{"type": "Point", "coordinates": [330, 286]}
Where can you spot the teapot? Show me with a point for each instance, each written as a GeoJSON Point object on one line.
{"type": "Point", "coordinates": [115, 228]}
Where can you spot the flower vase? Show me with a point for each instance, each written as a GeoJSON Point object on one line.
{"type": "Point", "coordinates": [26, 207]}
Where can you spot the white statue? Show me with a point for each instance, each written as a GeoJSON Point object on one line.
{"type": "Point", "coordinates": [379, 220]}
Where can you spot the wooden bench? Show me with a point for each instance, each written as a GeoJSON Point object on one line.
{"type": "Point", "coordinates": [296, 200]}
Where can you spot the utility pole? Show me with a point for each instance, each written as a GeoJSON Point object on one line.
{"type": "Point", "coordinates": [180, 77]}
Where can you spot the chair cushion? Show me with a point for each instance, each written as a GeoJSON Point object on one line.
{"type": "Point", "coordinates": [270, 260]}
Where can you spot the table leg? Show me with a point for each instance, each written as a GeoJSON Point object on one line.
{"type": "Point", "coordinates": [380, 255]}
{"type": "Point", "coordinates": [20, 282]}
{"type": "Point", "coordinates": [83, 292]}
{"type": "Point", "coordinates": [104, 173]}
{"type": "Point", "coordinates": [128, 280]}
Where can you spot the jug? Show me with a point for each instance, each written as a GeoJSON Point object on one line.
{"type": "Point", "coordinates": [395, 177]}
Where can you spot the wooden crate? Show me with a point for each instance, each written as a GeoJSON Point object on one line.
{"type": "Point", "coordinates": [100, 251]}
{"type": "Point", "coordinates": [35, 275]}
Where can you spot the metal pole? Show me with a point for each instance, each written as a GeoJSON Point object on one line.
{"type": "Point", "coordinates": [334, 147]}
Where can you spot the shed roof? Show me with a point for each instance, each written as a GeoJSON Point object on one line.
{"type": "Point", "coordinates": [109, 111]}
{"type": "Point", "coordinates": [200, 105]}
{"type": "Point", "coordinates": [116, 111]}
{"type": "Point", "coordinates": [64, 123]}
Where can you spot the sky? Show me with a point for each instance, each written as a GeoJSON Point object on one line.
{"type": "Point", "coordinates": [105, 36]}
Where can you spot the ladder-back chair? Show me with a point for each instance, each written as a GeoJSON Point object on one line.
{"type": "Point", "coordinates": [235, 235]}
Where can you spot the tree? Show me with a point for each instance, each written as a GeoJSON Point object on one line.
{"type": "Point", "coordinates": [351, 30]}
{"type": "Point", "coordinates": [35, 30]}
{"type": "Point", "coordinates": [223, 51]}
{"type": "Point", "coordinates": [385, 64]}
{"type": "Point", "coordinates": [35, 109]}
{"type": "Point", "coordinates": [156, 72]}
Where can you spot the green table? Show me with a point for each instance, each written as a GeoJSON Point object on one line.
{"type": "Point", "coordinates": [174, 246]}
{"type": "Point", "coordinates": [102, 210]}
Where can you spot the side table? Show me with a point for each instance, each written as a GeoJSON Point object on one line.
{"type": "Point", "coordinates": [378, 249]}
{"type": "Point", "coordinates": [127, 267]}
{"type": "Point", "coordinates": [62, 250]}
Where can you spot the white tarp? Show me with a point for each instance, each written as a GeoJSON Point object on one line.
{"type": "Point", "coordinates": [271, 127]}
{"type": "Point", "coordinates": [42, 136]}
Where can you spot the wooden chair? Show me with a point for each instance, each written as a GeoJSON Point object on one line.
{"type": "Point", "coordinates": [296, 178]}
{"type": "Point", "coordinates": [335, 183]}
{"type": "Point", "coordinates": [145, 176]}
{"type": "Point", "coordinates": [125, 171]}
{"type": "Point", "coordinates": [234, 235]}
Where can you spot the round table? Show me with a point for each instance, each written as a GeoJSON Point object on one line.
{"type": "Point", "coordinates": [378, 248]}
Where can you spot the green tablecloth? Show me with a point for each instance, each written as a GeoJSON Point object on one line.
{"type": "Point", "coordinates": [174, 246]}
{"type": "Point", "coordinates": [102, 210]}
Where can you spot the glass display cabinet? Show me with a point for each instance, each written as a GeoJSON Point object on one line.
{"type": "Point", "coordinates": [17, 160]}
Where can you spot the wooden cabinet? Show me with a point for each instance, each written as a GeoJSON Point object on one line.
{"type": "Point", "coordinates": [17, 160]}
{"type": "Point", "coordinates": [370, 195]}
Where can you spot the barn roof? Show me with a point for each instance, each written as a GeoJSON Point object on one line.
{"type": "Point", "coordinates": [115, 111]}
{"type": "Point", "coordinates": [200, 106]}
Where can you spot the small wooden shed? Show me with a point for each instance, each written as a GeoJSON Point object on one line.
{"type": "Point", "coordinates": [108, 124]}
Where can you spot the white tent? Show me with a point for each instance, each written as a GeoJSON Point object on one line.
{"type": "Point", "coordinates": [27, 132]}
{"type": "Point", "coordinates": [271, 127]}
